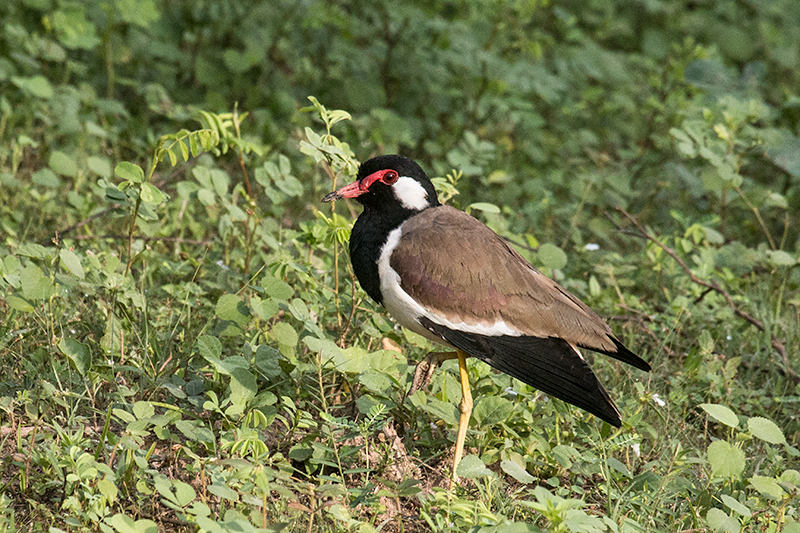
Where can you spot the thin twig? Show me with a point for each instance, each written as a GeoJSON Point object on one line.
{"type": "Point", "coordinates": [520, 245]}
{"type": "Point", "coordinates": [757, 213]}
{"type": "Point", "coordinates": [715, 287]}
{"type": "Point", "coordinates": [349, 322]}
{"type": "Point", "coordinates": [60, 234]}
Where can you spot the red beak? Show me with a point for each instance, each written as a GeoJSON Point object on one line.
{"type": "Point", "coordinates": [348, 191]}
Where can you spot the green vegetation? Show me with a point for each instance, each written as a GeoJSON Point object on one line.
{"type": "Point", "coordinates": [184, 346]}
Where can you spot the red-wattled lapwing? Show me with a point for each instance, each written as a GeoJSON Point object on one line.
{"type": "Point", "coordinates": [443, 274]}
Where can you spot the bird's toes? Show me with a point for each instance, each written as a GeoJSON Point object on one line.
{"type": "Point", "coordinates": [423, 374]}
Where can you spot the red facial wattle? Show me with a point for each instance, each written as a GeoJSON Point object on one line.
{"type": "Point", "coordinates": [359, 187]}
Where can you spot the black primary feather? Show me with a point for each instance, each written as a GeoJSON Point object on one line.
{"type": "Point", "coordinates": [548, 364]}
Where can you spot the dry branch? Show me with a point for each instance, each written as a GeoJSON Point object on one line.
{"type": "Point", "coordinates": [715, 287]}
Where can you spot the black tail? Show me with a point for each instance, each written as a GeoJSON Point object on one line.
{"type": "Point", "coordinates": [549, 364]}
{"type": "Point", "coordinates": [623, 354]}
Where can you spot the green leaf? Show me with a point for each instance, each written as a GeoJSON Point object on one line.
{"type": "Point", "coordinates": [594, 287]}
{"type": "Point", "coordinates": [206, 197]}
{"type": "Point", "coordinates": [720, 413]}
{"type": "Point", "coordinates": [736, 506]}
{"type": "Point", "coordinates": [277, 288]}
{"type": "Point", "coordinates": [229, 364]}
{"type": "Point", "coordinates": [445, 411]}
{"type": "Point", "coordinates": [300, 451]}
{"type": "Point", "coordinates": [720, 522]}
{"type": "Point", "coordinates": [516, 471]}
{"type": "Point", "coordinates": [63, 164]}
{"type": "Point", "coordinates": [791, 476]}
{"type": "Point", "coordinates": [223, 492]}
{"type": "Point", "coordinates": [46, 178]}
{"type": "Point", "coordinates": [768, 487]}
{"type": "Point", "coordinates": [330, 353]}
{"type": "Point", "coordinates": [192, 430]}
{"type": "Point", "coordinates": [193, 146]}
{"type": "Point", "coordinates": [208, 346]}
{"type": "Point", "coordinates": [151, 194]}
{"type": "Point", "coordinates": [766, 430]}
{"type": "Point", "coordinates": [339, 512]}
{"type": "Point", "coordinates": [725, 460]}
{"type": "Point", "coordinates": [685, 144]}
{"type": "Point", "coordinates": [551, 256]}
{"type": "Point", "coordinates": [382, 360]}
{"type": "Point", "coordinates": [713, 236]}
{"type": "Point", "coordinates": [485, 207]}
{"type": "Point", "coordinates": [785, 153]}
{"type": "Point", "coordinates": [781, 258]}
{"type": "Point", "coordinates": [472, 467]}
{"type": "Point", "coordinates": [566, 455]}
{"type": "Point", "coordinates": [139, 12]}
{"type": "Point", "coordinates": [793, 527]}
{"type": "Point", "coordinates": [99, 165]}
{"type": "Point", "coordinates": [289, 185]}
{"type": "Point", "coordinates": [267, 360]}
{"type": "Point", "coordinates": [243, 386]}
{"type": "Point", "coordinates": [20, 304]}
{"type": "Point", "coordinates": [337, 115]}
{"type": "Point", "coordinates": [30, 249]}
{"type": "Point", "coordinates": [78, 353]}
{"type": "Point", "coordinates": [236, 213]}
{"type": "Point", "coordinates": [37, 86]}
{"type": "Point", "coordinates": [489, 410]}
{"type": "Point", "coordinates": [143, 410]}
{"type": "Point", "coordinates": [776, 200]}
{"type": "Point", "coordinates": [35, 285]}
{"type": "Point", "coordinates": [129, 172]}
{"type": "Point", "coordinates": [107, 489]}
{"type": "Point", "coordinates": [184, 493]}
{"type": "Point", "coordinates": [578, 520]}
{"type": "Point", "coordinates": [124, 416]}
{"type": "Point", "coordinates": [285, 334]}
{"type": "Point", "coordinates": [230, 307]}
{"type": "Point", "coordinates": [221, 182]}
{"type": "Point", "coordinates": [375, 381]}
{"type": "Point", "coordinates": [74, 30]}
{"type": "Point", "coordinates": [264, 309]}
{"type": "Point", "coordinates": [619, 466]}
{"type": "Point", "coordinates": [126, 524]}
{"type": "Point", "coordinates": [72, 262]}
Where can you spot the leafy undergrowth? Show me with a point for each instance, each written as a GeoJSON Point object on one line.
{"type": "Point", "coordinates": [185, 347]}
{"type": "Point", "coordinates": [250, 386]}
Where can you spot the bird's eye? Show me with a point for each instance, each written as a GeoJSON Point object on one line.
{"type": "Point", "coordinates": [390, 177]}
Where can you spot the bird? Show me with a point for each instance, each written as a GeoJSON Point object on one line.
{"type": "Point", "coordinates": [443, 274]}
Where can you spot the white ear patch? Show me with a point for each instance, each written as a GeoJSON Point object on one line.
{"type": "Point", "coordinates": [410, 193]}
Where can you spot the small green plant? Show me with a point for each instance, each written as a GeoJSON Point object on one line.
{"type": "Point", "coordinates": [758, 500]}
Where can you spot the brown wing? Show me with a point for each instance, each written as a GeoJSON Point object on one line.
{"type": "Point", "coordinates": [476, 277]}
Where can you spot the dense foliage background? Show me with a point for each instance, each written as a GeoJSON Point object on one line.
{"type": "Point", "coordinates": [183, 343]}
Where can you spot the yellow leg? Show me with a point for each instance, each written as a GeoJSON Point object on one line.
{"type": "Point", "coordinates": [466, 410]}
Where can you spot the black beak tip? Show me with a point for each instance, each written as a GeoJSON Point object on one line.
{"type": "Point", "coordinates": [331, 196]}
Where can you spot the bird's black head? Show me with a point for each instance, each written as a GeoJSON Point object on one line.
{"type": "Point", "coordinates": [387, 181]}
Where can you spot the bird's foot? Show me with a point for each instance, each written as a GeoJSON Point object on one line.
{"type": "Point", "coordinates": [425, 369]}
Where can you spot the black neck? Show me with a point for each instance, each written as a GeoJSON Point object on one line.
{"type": "Point", "coordinates": [366, 241]}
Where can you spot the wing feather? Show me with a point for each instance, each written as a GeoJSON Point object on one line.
{"type": "Point", "coordinates": [478, 279]}
{"type": "Point", "coordinates": [548, 364]}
